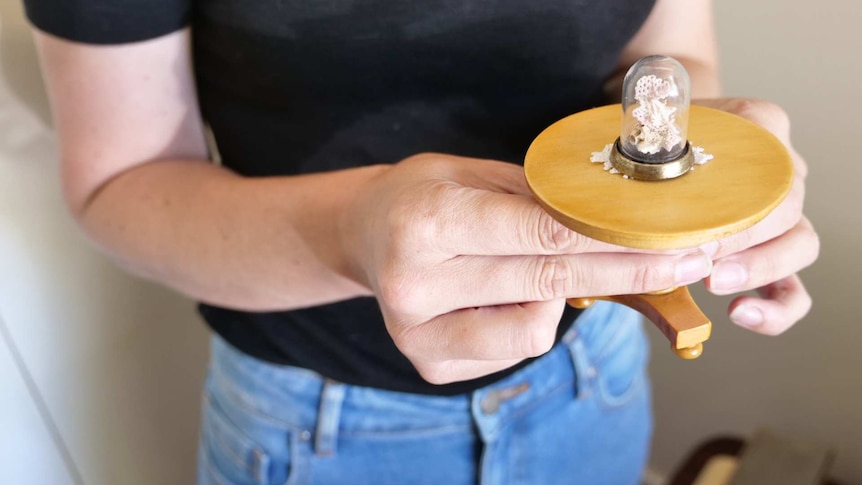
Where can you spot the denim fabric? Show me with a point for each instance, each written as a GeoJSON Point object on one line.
{"type": "Point", "coordinates": [578, 415]}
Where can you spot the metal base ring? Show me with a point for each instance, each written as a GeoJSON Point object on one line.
{"type": "Point", "coordinates": [652, 171]}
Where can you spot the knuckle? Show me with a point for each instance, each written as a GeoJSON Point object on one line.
{"type": "Point", "coordinates": [410, 348]}
{"type": "Point", "coordinates": [552, 235]}
{"type": "Point", "coordinates": [650, 277]}
{"type": "Point", "coordinates": [435, 373]}
{"type": "Point", "coordinates": [418, 215]}
{"type": "Point", "coordinates": [414, 225]}
{"type": "Point", "coordinates": [407, 341]}
{"type": "Point", "coordinates": [769, 115]}
{"type": "Point", "coordinates": [402, 341]}
{"type": "Point", "coordinates": [433, 165]}
{"type": "Point", "coordinates": [541, 338]}
{"type": "Point", "coordinates": [400, 294]}
{"type": "Point", "coordinates": [552, 278]}
{"type": "Point", "coordinates": [814, 245]}
{"type": "Point", "coordinates": [429, 372]}
{"type": "Point", "coordinates": [743, 106]}
{"type": "Point", "coordinates": [428, 159]}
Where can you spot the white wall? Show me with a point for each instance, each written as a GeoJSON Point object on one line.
{"type": "Point", "coordinates": [807, 383]}
{"type": "Point", "coordinates": [117, 363]}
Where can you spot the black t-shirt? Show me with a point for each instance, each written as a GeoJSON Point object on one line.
{"type": "Point", "coordinates": [292, 86]}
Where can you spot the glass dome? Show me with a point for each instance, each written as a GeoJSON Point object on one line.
{"type": "Point", "coordinates": [656, 98]}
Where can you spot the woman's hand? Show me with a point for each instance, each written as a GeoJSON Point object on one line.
{"type": "Point", "coordinates": [767, 256]}
{"type": "Point", "coordinates": [471, 274]}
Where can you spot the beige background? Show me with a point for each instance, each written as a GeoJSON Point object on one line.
{"type": "Point", "coordinates": [122, 397]}
{"type": "Point", "coordinates": [806, 384]}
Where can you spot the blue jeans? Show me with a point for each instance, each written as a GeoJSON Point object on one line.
{"type": "Point", "coordinates": [579, 415]}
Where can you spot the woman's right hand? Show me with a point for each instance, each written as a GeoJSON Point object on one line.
{"type": "Point", "coordinates": [472, 274]}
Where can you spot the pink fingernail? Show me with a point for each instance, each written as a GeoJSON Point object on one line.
{"type": "Point", "coordinates": [728, 275]}
{"type": "Point", "coordinates": [747, 316]}
{"type": "Point", "coordinates": [691, 268]}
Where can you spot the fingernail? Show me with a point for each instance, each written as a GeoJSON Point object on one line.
{"type": "Point", "coordinates": [728, 275]}
{"type": "Point", "coordinates": [692, 267]}
{"type": "Point", "coordinates": [746, 316]}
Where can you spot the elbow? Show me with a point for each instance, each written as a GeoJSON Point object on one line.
{"type": "Point", "coordinates": [79, 197]}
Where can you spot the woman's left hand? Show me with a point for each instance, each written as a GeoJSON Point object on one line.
{"type": "Point", "coordinates": [767, 256]}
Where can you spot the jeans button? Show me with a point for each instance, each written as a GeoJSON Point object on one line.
{"type": "Point", "coordinates": [490, 403]}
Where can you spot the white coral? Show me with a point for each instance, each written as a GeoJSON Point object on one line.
{"type": "Point", "coordinates": [700, 158]}
{"type": "Point", "coordinates": [604, 157]}
{"type": "Point", "coordinates": [656, 127]}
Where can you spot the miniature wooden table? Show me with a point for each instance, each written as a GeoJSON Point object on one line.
{"type": "Point", "coordinates": [751, 174]}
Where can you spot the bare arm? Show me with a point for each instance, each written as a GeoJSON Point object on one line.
{"type": "Point", "coordinates": [684, 30]}
{"type": "Point", "coordinates": [470, 273]}
{"type": "Point", "coordinates": [136, 178]}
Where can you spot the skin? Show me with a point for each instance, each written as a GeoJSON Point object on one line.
{"type": "Point", "coordinates": [471, 274]}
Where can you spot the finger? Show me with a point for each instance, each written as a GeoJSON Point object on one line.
{"type": "Point", "coordinates": [786, 216]}
{"type": "Point", "coordinates": [781, 305]}
{"type": "Point", "coordinates": [768, 115]}
{"type": "Point", "coordinates": [484, 207]}
{"type": "Point", "coordinates": [800, 167]}
{"type": "Point", "coordinates": [499, 333]}
{"type": "Point", "coordinates": [493, 223]}
{"type": "Point", "coordinates": [767, 262]}
{"type": "Point", "coordinates": [472, 281]}
{"type": "Point", "coordinates": [481, 173]}
{"type": "Point", "coordinates": [461, 370]}
{"type": "Point", "coordinates": [493, 175]}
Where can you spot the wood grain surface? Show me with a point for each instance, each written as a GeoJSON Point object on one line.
{"type": "Point", "coordinates": [750, 175]}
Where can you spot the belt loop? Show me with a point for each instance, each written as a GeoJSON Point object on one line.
{"type": "Point", "coordinates": [584, 371]}
{"type": "Point", "coordinates": [328, 417]}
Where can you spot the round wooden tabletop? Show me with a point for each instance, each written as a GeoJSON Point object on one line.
{"type": "Point", "coordinates": [751, 174]}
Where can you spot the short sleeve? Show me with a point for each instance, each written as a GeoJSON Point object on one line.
{"type": "Point", "coordinates": [108, 21]}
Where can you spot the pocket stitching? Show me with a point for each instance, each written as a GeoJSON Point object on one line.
{"type": "Point", "coordinates": [608, 398]}
{"type": "Point", "coordinates": [624, 397]}
{"type": "Point", "coordinates": [255, 467]}
{"type": "Point", "coordinates": [214, 473]}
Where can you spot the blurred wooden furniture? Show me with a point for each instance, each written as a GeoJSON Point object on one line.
{"type": "Point", "coordinates": [765, 459]}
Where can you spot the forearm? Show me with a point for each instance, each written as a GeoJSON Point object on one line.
{"type": "Point", "coordinates": [684, 30]}
{"type": "Point", "coordinates": [249, 243]}
{"type": "Point", "coordinates": [705, 82]}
